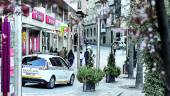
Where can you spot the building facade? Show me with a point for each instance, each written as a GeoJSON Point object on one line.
{"type": "Point", "coordinates": [110, 14]}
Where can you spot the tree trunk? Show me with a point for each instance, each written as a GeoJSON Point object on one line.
{"type": "Point", "coordinates": [165, 40]}
{"type": "Point", "coordinates": [131, 59]}
{"type": "Point", "coordinates": [139, 74]}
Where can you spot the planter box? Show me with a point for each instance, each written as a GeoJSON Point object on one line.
{"type": "Point", "coordinates": [88, 87]}
{"type": "Point", "coordinates": [110, 79]}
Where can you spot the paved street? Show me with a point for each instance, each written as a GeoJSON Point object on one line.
{"type": "Point", "coordinates": [119, 88]}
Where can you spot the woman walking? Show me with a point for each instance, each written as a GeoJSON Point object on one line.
{"type": "Point", "coordinates": [71, 58]}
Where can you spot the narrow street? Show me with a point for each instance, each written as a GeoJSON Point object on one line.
{"type": "Point", "coordinates": [119, 88]}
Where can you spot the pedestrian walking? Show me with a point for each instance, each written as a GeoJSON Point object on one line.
{"type": "Point", "coordinates": [114, 48]}
{"type": "Point", "coordinates": [65, 53]}
{"type": "Point", "coordinates": [62, 53]}
{"type": "Point", "coordinates": [71, 58]}
{"type": "Point", "coordinates": [56, 51]}
{"type": "Point", "coordinates": [86, 55]}
{"type": "Point", "coordinates": [51, 49]}
{"type": "Point", "coordinates": [86, 42]}
{"type": "Point", "coordinates": [81, 58]}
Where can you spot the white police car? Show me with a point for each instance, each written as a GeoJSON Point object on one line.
{"type": "Point", "coordinates": [48, 69]}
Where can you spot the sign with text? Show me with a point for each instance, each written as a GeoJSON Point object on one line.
{"type": "Point", "coordinates": [50, 20]}
{"type": "Point", "coordinates": [37, 15]}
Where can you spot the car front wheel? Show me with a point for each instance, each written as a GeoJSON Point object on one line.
{"type": "Point", "coordinates": [71, 82]}
{"type": "Point", "coordinates": [51, 83]}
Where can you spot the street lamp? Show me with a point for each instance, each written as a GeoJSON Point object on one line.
{"type": "Point", "coordinates": [98, 7]}
{"type": "Point", "coordinates": [80, 15]}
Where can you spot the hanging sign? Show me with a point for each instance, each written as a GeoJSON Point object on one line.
{"type": "Point", "coordinates": [37, 15]}
{"type": "Point", "coordinates": [50, 20]}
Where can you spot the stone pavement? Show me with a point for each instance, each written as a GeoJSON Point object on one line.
{"type": "Point", "coordinates": [122, 87]}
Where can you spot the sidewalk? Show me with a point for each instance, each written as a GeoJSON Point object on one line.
{"type": "Point", "coordinates": [119, 88]}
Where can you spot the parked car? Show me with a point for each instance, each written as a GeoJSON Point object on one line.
{"type": "Point", "coordinates": [47, 69]}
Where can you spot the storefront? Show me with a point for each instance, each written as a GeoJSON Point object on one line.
{"type": "Point", "coordinates": [45, 42]}
{"type": "Point", "coordinates": [34, 41]}
{"type": "Point", "coordinates": [36, 32]}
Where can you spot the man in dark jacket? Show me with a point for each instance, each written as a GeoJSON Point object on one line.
{"type": "Point", "coordinates": [86, 56]}
{"type": "Point", "coordinates": [71, 58]}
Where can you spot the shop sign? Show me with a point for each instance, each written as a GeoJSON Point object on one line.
{"type": "Point", "coordinates": [37, 15]}
{"type": "Point", "coordinates": [50, 20]}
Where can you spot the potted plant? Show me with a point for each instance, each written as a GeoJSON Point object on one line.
{"type": "Point", "coordinates": [89, 77]}
{"type": "Point", "coordinates": [111, 70]}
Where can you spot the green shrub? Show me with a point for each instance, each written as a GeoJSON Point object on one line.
{"type": "Point", "coordinates": [89, 75]}
{"type": "Point", "coordinates": [112, 70]}
{"type": "Point", "coordinates": [154, 85]}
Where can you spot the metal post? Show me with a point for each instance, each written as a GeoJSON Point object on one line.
{"type": "Point", "coordinates": [68, 41]}
{"type": "Point", "coordinates": [63, 32]}
{"type": "Point", "coordinates": [78, 46]}
{"type": "Point", "coordinates": [40, 41]}
{"type": "Point", "coordinates": [57, 39]}
{"type": "Point", "coordinates": [165, 40]}
{"type": "Point", "coordinates": [5, 71]}
{"type": "Point", "coordinates": [98, 45]}
{"type": "Point", "coordinates": [18, 51]}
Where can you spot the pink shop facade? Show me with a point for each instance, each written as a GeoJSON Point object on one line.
{"type": "Point", "coordinates": [35, 25]}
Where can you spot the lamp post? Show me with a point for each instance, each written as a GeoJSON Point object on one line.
{"type": "Point", "coordinates": [98, 6]}
{"type": "Point", "coordinates": [18, 50]}
{"type": "Point", "coordinates": [80, 15]}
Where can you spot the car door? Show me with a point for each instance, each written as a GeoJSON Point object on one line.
{"type": "Point", "coordinates": [59, 70]}
{"type": "Point", "coordinates": [66, 68]}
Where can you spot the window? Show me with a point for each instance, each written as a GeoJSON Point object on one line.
{"type": "Point", "coordinates": [63, 62]}
{"type": "Point", "coordinates": [34, 61]}
{"type": "Point", "coordinates": [91, 41]}
{"type": "Point", "coordinates": [94, 31]}
{"type": "Point", "coordinates": [29, 59]}
{"type": "Point", "coordinates": [91, 32]}
{"type": "Point", "coordinates": [38, 62]}
{"type": "Point", "coordinates": [56, 62]}
{"type": "Point", "coordinates": [87, 32]}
